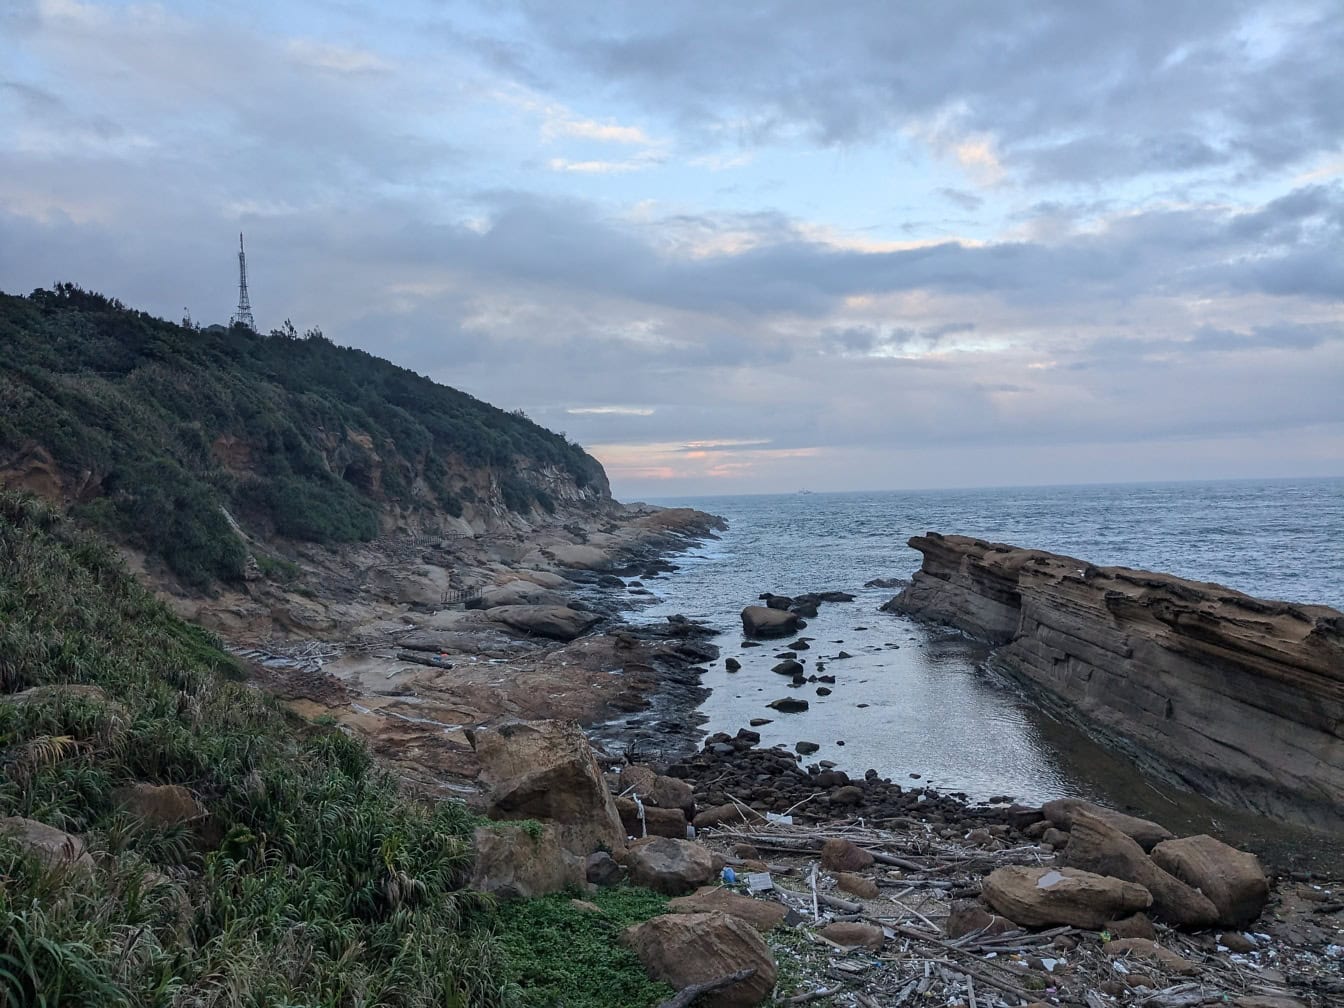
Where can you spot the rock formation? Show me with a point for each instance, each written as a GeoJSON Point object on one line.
{"type": "Point", "coordinates": [1238, 698]}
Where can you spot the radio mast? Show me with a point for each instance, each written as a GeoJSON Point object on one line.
{"type": "Point", "coordinates": [243, 316]}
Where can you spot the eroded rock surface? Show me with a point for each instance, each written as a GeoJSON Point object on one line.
{"type": "Point", "coordinates": [1241, 698]}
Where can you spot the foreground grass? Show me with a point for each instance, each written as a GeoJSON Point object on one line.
{"type": "Point", "coordinates": [560, 954]}
{"type": "Point", "coordinates": [314, 882]}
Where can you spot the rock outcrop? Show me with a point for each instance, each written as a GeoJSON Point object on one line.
{"type": "Point", "coordinates": [1239, 698]}
{"type": "Point", "coordinates": [697, 948]}
{"type": "Point", "coordinates": [1044, 897]}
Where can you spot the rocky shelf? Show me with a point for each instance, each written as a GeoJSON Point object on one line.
{"type": "Point", "coordinates": [1234, 697]}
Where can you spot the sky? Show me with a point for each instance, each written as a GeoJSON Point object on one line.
{"type": "Point", "coordinates": [734, 247]}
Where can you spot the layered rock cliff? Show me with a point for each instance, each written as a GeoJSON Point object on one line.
{"type": "Point", "coordinates": [1238, 698]}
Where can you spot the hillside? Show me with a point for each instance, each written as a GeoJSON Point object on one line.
{"type": "Point", "coordinates": [169, 836]}
{"type": "Point", "coordinates": [152, 431]}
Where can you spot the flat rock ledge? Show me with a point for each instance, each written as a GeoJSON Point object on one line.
{"type": "Point", "coordinates": [1239, 698]}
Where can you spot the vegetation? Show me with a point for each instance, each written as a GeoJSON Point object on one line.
{"type": "Point", "coordinates": [293, 435]}
{"type": "Point", "coordinates": [559, 954]}
{"type": "Point", "coordinates": [313, 882]}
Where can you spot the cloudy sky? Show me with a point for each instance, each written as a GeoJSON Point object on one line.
{"type": "Point", "coordinates": [734, 247]}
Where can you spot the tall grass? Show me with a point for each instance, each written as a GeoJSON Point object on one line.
{"type": "Point", "coordinates": [314, 882]}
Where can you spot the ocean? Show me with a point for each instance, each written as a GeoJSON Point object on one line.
{"type": "Point", "coordinates": [916, 700]}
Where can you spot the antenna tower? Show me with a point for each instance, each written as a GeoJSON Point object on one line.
{"type": "Point", "coordinates": [243, 316]}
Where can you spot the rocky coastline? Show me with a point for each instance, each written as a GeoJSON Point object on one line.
{"type": "Point", "coordinates": [1233, 697]}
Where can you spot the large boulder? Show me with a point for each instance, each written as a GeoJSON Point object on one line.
{"type": "Point", "coordinates": [665, 865]}
{"type": "Point", "coordinates": [696, 948]}
{"type": "Point", "coordinates": [521, 863]}
{"type": "Point", "coordinates": [160, 804]}
{"type": "Point", "coordinates": [546, 770]}
{"type": "Point", "coordinates": [1097, 846]}
{"type": "Point", "coordinates": [855, 934]}
{"type": "Point", "coordinates": [761, 621]}
{"type": "Point", "coordinates": [60, 851]}
{"type": "Point", "coordinates": [762, 914]}
{"type": "Point", "coordinates": [555, 622]}
{"type": "Point", "coordinates": [1046, 897]}
{"type": "Point", "coordinates": [515, 593]}
{"type": "Point", "coordinates": [1232, 879]}
{"type": "Point", "coordinates": [1145, 833]}
{"type": "Point", "coordinates": [969, 917]}
{"type": "Point", "coordinates": [665, 792]}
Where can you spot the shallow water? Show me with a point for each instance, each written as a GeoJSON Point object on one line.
{"type": "Point", "coordinates": [931, 707]}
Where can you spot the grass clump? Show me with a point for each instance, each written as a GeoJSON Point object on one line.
{"type": "Point", "coordinates": [313, 882]}
{"type": "Point", "coordinates": [558, 954]}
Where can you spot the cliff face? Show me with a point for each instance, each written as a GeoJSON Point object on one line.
{"type": "Point", "coordinates": [1239, 698]}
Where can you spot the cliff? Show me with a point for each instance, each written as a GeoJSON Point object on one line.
{"type": "Point", "coordinates": [200, 448]}
{"type": "Point", "coordinates": [1238, 698]}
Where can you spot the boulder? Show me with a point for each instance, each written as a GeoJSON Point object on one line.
{"type": "Point", "coordinates": [1097, 846]}
{"type": "Point", "coordinates": [856, 885]}
{"type": "Point", "coordinates": [665, 792]}
{"type": "Point", "coordinates": [806, 748]}
{"type": "Point", "coordinates": [1232, 879]}
{"type": "Point", "coordinates": [789, 667]}
{"type": "Point", "coordinates": [546, 770]}
{"type": "Point", "coordinates": [60, 851]}
{"type": "Point", "coordinates": [1046, 897]}
{"type": "Point", "coordinates": [554, 622]}
{"type": "Point", "coordinates": [696, 948]}
{"type": "Point", "coordinates": [762, 914]}
{"type": "Point", "coordinates": [673, 867]}
{"type": "Point", "coordinates": [729, 813]}
{"type": "Point", "coordinates": [602, 870]}
{"type": "Point", "coordinates": [516, 593]}
{"type": "Point", "coordinates": [761, 621]}
{"type": "Point", "coordinates": [1146, 949]}
{"type": "Point", "coordinates": [1135, 926]}
{"type": "Point", "coordinates": [663, 822]}
{"type": "Point", "coordinates": [732, 664]}
{"type": "Point", "coordinates": [969, 917]}
{"type": "Point", "coordinates": [160, 804]}
{"type": "Point", "coordinates": [1145, 833]}
{"type": "Point", "coordinates": [789, 705]}
{"type": "Point", "coordinates": [854, 934]}
{"type": "Point", "coordinates": [515, 862]}
{"type": "Point", "coordinates": [840, 855]}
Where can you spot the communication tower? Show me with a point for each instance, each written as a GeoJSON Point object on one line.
{"type": "Point", "coordinates": [243, 316]}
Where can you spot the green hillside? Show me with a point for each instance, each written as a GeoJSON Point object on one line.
{"type": "Point", "coordinates": [162, 424]}
{"type": "Point", "coordinates": [308, 882]}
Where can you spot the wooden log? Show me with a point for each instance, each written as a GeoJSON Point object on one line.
{"type": "Point", "coordinates": [424, 659]}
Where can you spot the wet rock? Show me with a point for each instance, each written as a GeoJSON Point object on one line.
{"type": "Point", "coordinates": [759, 621]}
{"type": "Point", "coordinates": [1232, 879]}
{"type": "Point", "coordinates": [823, 691]}
{"type": "Point", "coordinates": [789, 705]}
{"type": "Point", "coordinates": [758, 722]}
{"type": "Point", "coordinates": [732, 664]}
{"type": "Point", "coordinates": [854, 934]}
{"type": "Point", "coordinates": [1097, 846]}
{"type": "Point", "coordinates": [669, 866]}
{"type": "Point", "coordinates": [885, 583]}
{"type": "Point", "coordinates": [800, 644]}
{"type": "Point", "coordinates": [806, 748]}
{"type": "Point", "coordinates": [516, 863]}
{"type": "Point", "coordinates": [780, 602]}
{"type": "Point", "coordinates": [762, 914]}
{"type": "Point", "coordinates": [1046, 897]}
{"type": "Point", "coordinates": [806, 608]}
{"type": "Point", "coordinates": [695, 948]}
{"type": "Point", "coordinates": [842, 655]}
{"type": "Point", "coordinates": [1145, 833]}
{"type": "Point", "coordinates": [788, 667]}
{"type": "Point", "coordinates": [840, 855]}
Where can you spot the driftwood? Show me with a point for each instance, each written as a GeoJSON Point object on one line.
{"type": "Point", "coordinates": [687, 995]}
{"type": "Point", "coordinates": [424, 659]}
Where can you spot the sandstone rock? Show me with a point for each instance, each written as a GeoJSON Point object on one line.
{"type": "Point", "coordinates": [729, 813]}
{"type": "Point", "coordinates": [1232, 879]}
{"type": "Point", "coordinates": [160, 804]}
{"type": "Point", "coordinates": [1146, 834]}
{"type": "Point", "coordinates": [1240, 696]}
{"type": "Point", "coordinates": [516, 593]}
{"type": "Point", "coordinates": [856, 885]}
{"type": "Point", "coordinates": [1136, 926]}
{"type": "Point", "coordinates": [761, 621]}
{"type": "Point", "coordinates": [546, 770]}
{"type": "Point", "coordinates": [840, 855]}
{"type": "Point", "coordinates": [516, 863]}
{"type": "Point", "coordinates": [762, 914]}
{"type": "Point", "coordinates": [1143, 948]}
{"type": "Point", "coordinates": [1235, 941]}
{"type": "Point", "coordinates": [669, 866]}
{"type": "Point", "coordinates": [745, 850]}
{"type": "Point", "coordinates": [663, 822]}
{"type": "Point", "coordinates": [555, 622]}
{"type": "Point", "coordinates": [61, 852]}
{"type": "Point", "coordinates": [969, 917]}
{"type": "Point", "coordinates": [1045, 897]}
{"type": "Point", "coordinates": [665, 792]}
{"type": "Point", "coordinates": [1097, 846]}
{"type": "Point", "coordinates": [577, 556]}
{"type": "Point", "coordinates": [601, 869]}
{"type": "Point", "coordinates": [854, 934]}
{"type": "Point", "coordinates": [695, 948]}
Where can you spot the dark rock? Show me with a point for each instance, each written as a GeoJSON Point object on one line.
{"type": "Point", "coordinates": [789, 705]}
{"type": "Point", "coordinates": [823, 691]}
{"type": "Point", "coordinates": [788, 667]}
{"type": "Point", "coordinates": [732, 664]}
{"type": "Point", "coordinates": [805, 748]}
